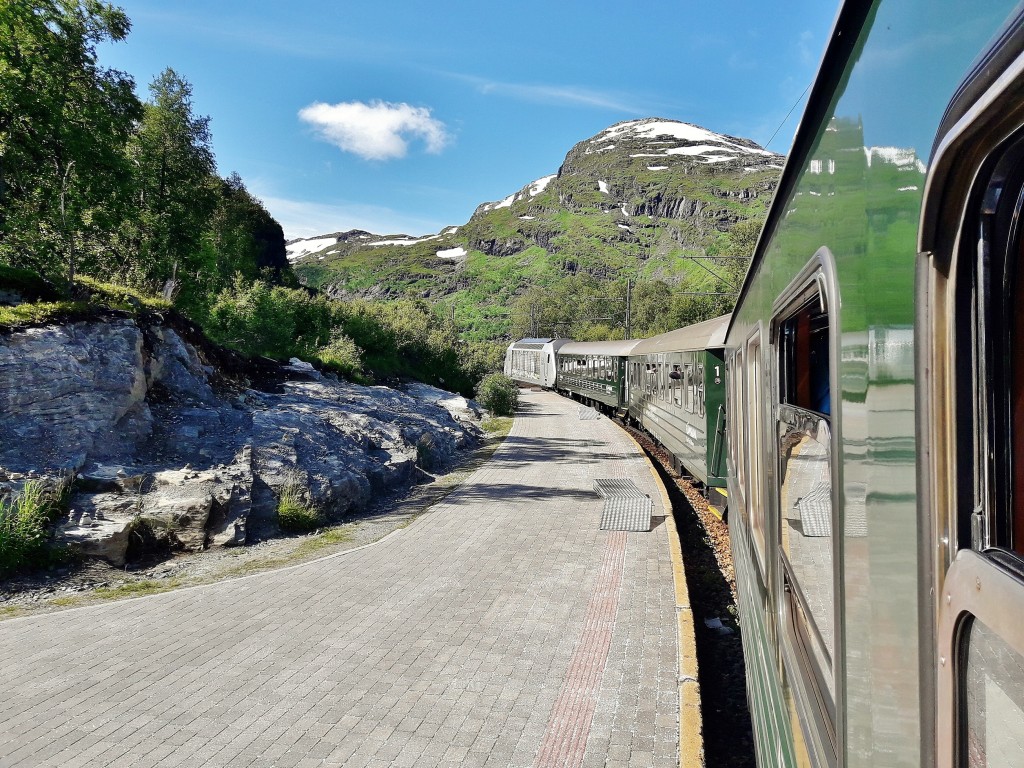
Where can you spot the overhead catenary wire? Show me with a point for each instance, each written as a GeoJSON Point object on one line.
{"type": "Point", "coordinates": [787, 115]}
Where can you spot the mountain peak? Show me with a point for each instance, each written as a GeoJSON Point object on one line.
{"type": "Point", "coordinates": [658, 137]}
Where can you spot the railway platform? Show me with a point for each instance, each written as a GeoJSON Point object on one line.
{"type": "Point", "coordinates": [502, 628]}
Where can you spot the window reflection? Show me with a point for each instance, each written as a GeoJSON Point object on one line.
{"type": "Point", "coordinates": [806, 525]}
{"type": "Point", "coordinates": [993, 696]}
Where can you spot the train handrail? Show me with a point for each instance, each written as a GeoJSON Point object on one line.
{"type": "Point", "coordinates": [716, 452]}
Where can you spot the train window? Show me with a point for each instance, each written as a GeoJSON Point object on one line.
{"type": "Point", "coordinates": [804, 355]}
{"type": "Point", "coordinates": [992, 693]}
{"type": "Point", "coordinates": [677, 385]}
{"type": "Point", "coordinates": [805, 489]}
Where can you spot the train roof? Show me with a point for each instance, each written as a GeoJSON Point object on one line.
{"type": "Point", "coordinates": [536, 343]}
{"type": "Point", "coordinates": [610, 348]}
{"type": "Point", "coordinates": [707, 335]}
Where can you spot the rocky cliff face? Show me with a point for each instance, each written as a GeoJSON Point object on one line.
{"type": "Point", "coordinates": [161, 448]}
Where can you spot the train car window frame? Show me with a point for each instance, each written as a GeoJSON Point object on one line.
{"type": "Point", "coordinates": [688, 386]}
{"type": "Point", "coordinates": [754, 445]}
{"type": "Point", "coordinates": [699, 379]}
{"type": "Point", "coordinates": [738, 410]}
{"type": "Point", "coordinates": [809, 606]}
{"type": "Point", "coordinates": [971, 481]}
{"type": "Point", "coordinates": [677, 383]}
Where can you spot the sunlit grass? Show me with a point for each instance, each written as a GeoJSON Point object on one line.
{"type": "Point", "coordinates": [497, 426]}
{"type": "Point", "coordinates": [134, 589]}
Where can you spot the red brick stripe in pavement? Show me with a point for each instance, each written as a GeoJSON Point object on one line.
{"type": "Point", "coordinates": [565, 740]}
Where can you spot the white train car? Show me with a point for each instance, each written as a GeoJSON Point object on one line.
{"type": "Point", "coordinates": [532, 361]}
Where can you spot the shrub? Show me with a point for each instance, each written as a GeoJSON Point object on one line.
{"type": "Point", "coordinates": [293, 514]}
{"type": "Point", "coordinates": [344, 356]}
{"type": "Point", "coordinates": [25, 528]}
{"type": "Point", "coordinates": [498, 394]}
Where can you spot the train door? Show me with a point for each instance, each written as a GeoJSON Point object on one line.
{"type": "Point", "coordinates": [803, 338]}
{"type": "Point", "coordinates": [971, 290]}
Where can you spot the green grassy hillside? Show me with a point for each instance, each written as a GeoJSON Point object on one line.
{"type": "Point", "coordinates": [652, 201]}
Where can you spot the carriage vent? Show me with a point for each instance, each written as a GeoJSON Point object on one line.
{"type": "Point", "coordinates": [626, 507]}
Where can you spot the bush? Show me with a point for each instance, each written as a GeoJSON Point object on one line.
{"type": "Point", "coordinates": [293, 514]}
{"type": "Point", "coordinates": [498, 394]}
{"type": "Point", "coordinates": [25, 528]}
{"type": "Point", "coordinates": [343, 356]}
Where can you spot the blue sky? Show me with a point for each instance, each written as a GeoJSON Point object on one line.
{"type": "Point", "coordinates": [401, 117]}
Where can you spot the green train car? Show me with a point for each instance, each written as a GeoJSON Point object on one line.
{"type": "Point", "coordinates": [676, 385]}
{"type": "Point", "coordinates": [875, 387]}
{"type": "Point", "coordinates": [594, 372]}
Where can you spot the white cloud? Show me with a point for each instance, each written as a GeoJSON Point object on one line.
{"type": "Point", "coordinates": [379, 130]}
{"type": "Point", "coordinates": [562, 95]}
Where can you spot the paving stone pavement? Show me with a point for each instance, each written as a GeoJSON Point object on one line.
{"type": "Point", "coordinates": [502, 628]}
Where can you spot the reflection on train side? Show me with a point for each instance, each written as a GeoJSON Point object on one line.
{"type": "Point", "coordinates": [805, 502]}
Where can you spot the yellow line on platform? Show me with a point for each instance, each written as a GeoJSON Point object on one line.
{"type": "Point", "coordinates": [691, 733]}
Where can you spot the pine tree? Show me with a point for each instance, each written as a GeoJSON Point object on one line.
{"type": "Point", "coordinates": [176, 185]}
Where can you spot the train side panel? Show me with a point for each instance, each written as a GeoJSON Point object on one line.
{"type": "Point", "coordinates": [668, 398]}
{"type": "Point", "coordinates": [823, 451]}
{"type": "Point", "coordinates": [594, 372]}
{"type": "Point", "coordinates": [676, 392]}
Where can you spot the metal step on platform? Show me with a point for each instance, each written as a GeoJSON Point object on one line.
{"type": "Point", "coordinates": [587, 414]}
{"type": "Point", "coordinates": [608, 488]}
{"type": "Point", "coordinates": [626, 507]}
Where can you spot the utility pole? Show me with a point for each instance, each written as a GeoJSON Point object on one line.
{"type": "Point", "coordinates": [533, 321]}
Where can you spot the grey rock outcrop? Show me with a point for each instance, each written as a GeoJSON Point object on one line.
{"type": "Point", "coordinates": [68, 392]}
{"type": "Point", "coordinates": [163, 449]}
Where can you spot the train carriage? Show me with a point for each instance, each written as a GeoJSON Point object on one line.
{"type": "Point", "coordinates": [532, 361]}
{"type": "Point", "coordinates": [595, 372]}
{"type": "Point", "coordinates": [876, 403]}
{"type": "Point", "coordinates": [676, 387]}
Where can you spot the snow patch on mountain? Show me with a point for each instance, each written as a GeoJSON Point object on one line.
{"type": "Point", "coordinates": [405, 240]}
{"type": "Point", "coordinates": [541, 184]}
{"type": "Point", "coordinates": [451, 253]}
{"type": "Point", "coordinates": [683, 139]}
{"type": "Point", "coordinates": [532, 189]}
{"type": "Point", "coordinates": [299, 248]}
